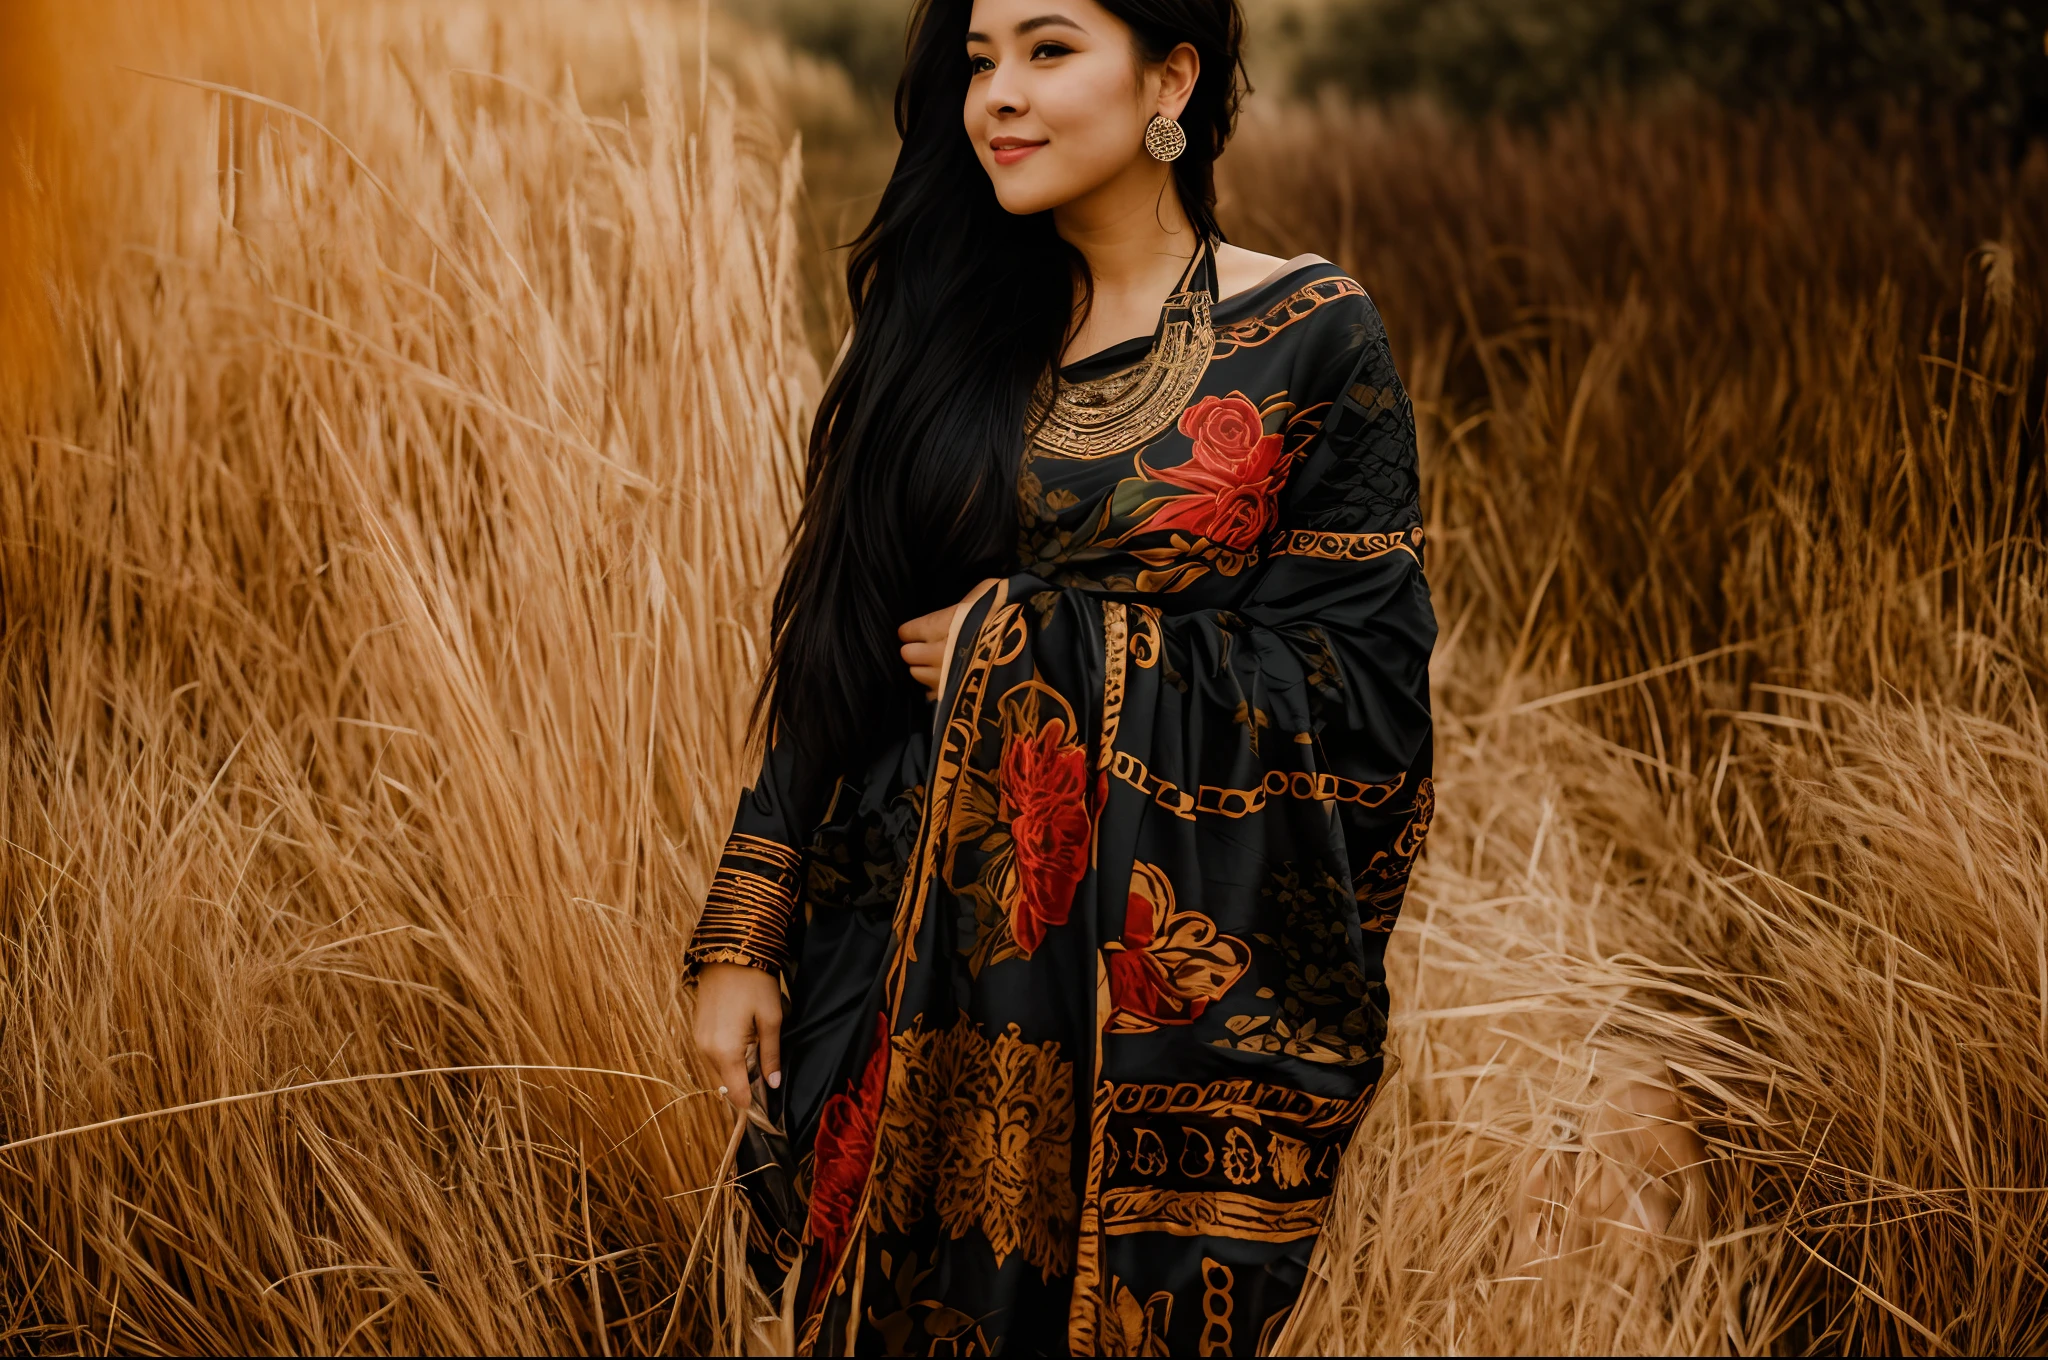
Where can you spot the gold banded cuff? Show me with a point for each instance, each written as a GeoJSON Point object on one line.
{"type": "Point", "coordinates": [750, 907]}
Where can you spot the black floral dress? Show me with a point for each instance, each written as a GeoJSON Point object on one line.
{"type": "Point", "coordinates": [1085, 987]}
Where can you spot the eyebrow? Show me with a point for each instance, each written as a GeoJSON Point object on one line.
{"type": "Point", "coordinates": [1032, 26]}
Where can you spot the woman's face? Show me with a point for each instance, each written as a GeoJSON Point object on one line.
{"type": "Point", "coordinates": [1060, 98]}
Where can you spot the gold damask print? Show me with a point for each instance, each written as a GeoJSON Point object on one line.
{"type": "Point", "coordinates": [980, 1132]}
{"type": "Point", "coordinates": [1241, 1162]}
{"type": "Point", "coordinates": [1170, 963]}
{"type": "Point", "coordinates": [1327, 1012]}
{"type": "Point", "coordinates": [1297, 1039]}
{"type": "Point", "coordinates": [763, 849]}
{"type": "Point", "coordinates": [1384, 881]}
{"type": "Point", "coordinates": [1217, 1305]}
{"type": "Point", "coordinates": [1288, 1160]}
{"type": "Point", "coordinates": [1134, 1328]}
{"type": "Point", "coordinates": [1197, 1152]}
{"type": "Point", "coordinates": [1251, 718]}
{"type": "Point", "coordinates": [1181, 562]}
{"type": "Point", "coordinates": [1238, 1159]}
{"type": "Point", "coordinates": [930, 1322]}
{"type": "Point", "coordinates": [1156, 1165]}
{"type": "Point", "coordinates": [1319, 664]}
{"type": "Point", "coordinates": [1146, 642]}
{"type": "Point", "coordinates": [1148, 1157]}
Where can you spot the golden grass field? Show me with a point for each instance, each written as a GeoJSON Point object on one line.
{"type": "Point", "coordinates": [402, 418]}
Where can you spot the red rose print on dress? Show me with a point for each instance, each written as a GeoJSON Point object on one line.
{"type": "Point", "coordinates": [1136, 986]}
{"type": "Point", "coordinates": [1171, 963]}
{"type": "Point", "coordinates": [844, 1150]}
{"type": "Point", "coordinates": [1045, 789]}
{"type": "Point", "coordinates": [1237, 467]}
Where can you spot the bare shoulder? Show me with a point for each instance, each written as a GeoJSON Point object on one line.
{"type": "Point", "coordinates": [1238, 269]}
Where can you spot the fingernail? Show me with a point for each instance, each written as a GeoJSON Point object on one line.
{"type": "Point", "coordinates": [774, 1081]}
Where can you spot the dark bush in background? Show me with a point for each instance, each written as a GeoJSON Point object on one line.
{"type": "Point", "coordinates": [1981, 59]}
{"type": "Point", "coordinates": [864, 36]}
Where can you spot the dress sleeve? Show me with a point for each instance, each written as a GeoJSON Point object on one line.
{"type": "Point", "coordinates": [1340, 621]}
{"type": "Point", "coordinates": [1328, 651]}
{"type": "Point", "coordinates": [1357, 473]}
{"type": "Point", "coordinates": [750, 911]}
{"type": "Point", "coordinates": [1334, 631]}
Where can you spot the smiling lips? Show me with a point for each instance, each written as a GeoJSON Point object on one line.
{"type": "Point", "coordinates": [1010, 150]}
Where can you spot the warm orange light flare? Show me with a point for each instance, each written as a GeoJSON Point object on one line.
{"type": "Point", "coordinates": [26, 85]}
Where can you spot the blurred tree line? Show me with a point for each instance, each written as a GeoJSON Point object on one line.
{"type": "Point", "coordinates": [1984, 60]}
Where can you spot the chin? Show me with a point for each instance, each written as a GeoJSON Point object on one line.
{"type": "Point", "coordinates": [1021, 198]}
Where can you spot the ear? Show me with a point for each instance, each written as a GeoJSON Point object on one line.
{"type": "Point", "coordinates": [1177, 76]}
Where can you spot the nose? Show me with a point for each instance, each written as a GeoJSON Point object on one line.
{"type": "Point", "coordinates": [1004, 94]}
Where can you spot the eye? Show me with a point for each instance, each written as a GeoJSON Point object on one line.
{"type": "Point", "coordinates": [1050, 49]}
{"type": "Point", "coordinates": [978, 65]}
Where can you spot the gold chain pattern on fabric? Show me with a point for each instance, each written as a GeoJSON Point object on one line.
{"type": "Point", "coordinates": [1258, 330]}
{"type": "Point", "coordinates": [1143, 647]}
{"type": "Point", "coordinates": [1252, 1101]}
{"type": "Point", "coordinates": [1217, 1304]}
{"type": "Point", "coordinates": [1240, 803]}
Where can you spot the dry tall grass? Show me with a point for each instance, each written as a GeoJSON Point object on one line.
{"type": "Point", "coordinates": [1734, 437]}
{"type": "Point", "coordinates": [381, 568]}
{"type": "Point", "coordinates": [377, 585]}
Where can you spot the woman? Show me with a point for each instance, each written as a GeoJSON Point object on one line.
{"type": "Point", "coordinates": [1083, 967]}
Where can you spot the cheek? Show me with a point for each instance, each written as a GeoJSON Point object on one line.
{"type": "Point", "coordinates": [1092, 117]}
{"type": "Point", "coordinates": [974, 118]}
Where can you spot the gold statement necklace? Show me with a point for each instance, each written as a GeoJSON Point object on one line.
{"type": "Point", "coordinates": [1102, 416]}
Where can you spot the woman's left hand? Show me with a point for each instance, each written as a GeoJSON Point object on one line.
{"type": "Point", "coordinates": [924, 642]}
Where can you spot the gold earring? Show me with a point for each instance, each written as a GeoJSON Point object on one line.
{"type": "Point", "coordinates": [1164, 140]}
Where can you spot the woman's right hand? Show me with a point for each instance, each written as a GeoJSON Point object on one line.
{"type": "Point", "coordinates": [924, 642]}
{"type": "Point", "coordinates": [739, 1005]}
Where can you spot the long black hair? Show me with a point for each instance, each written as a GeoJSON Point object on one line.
{"type": "Point", "coordinates": [960, 309]}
